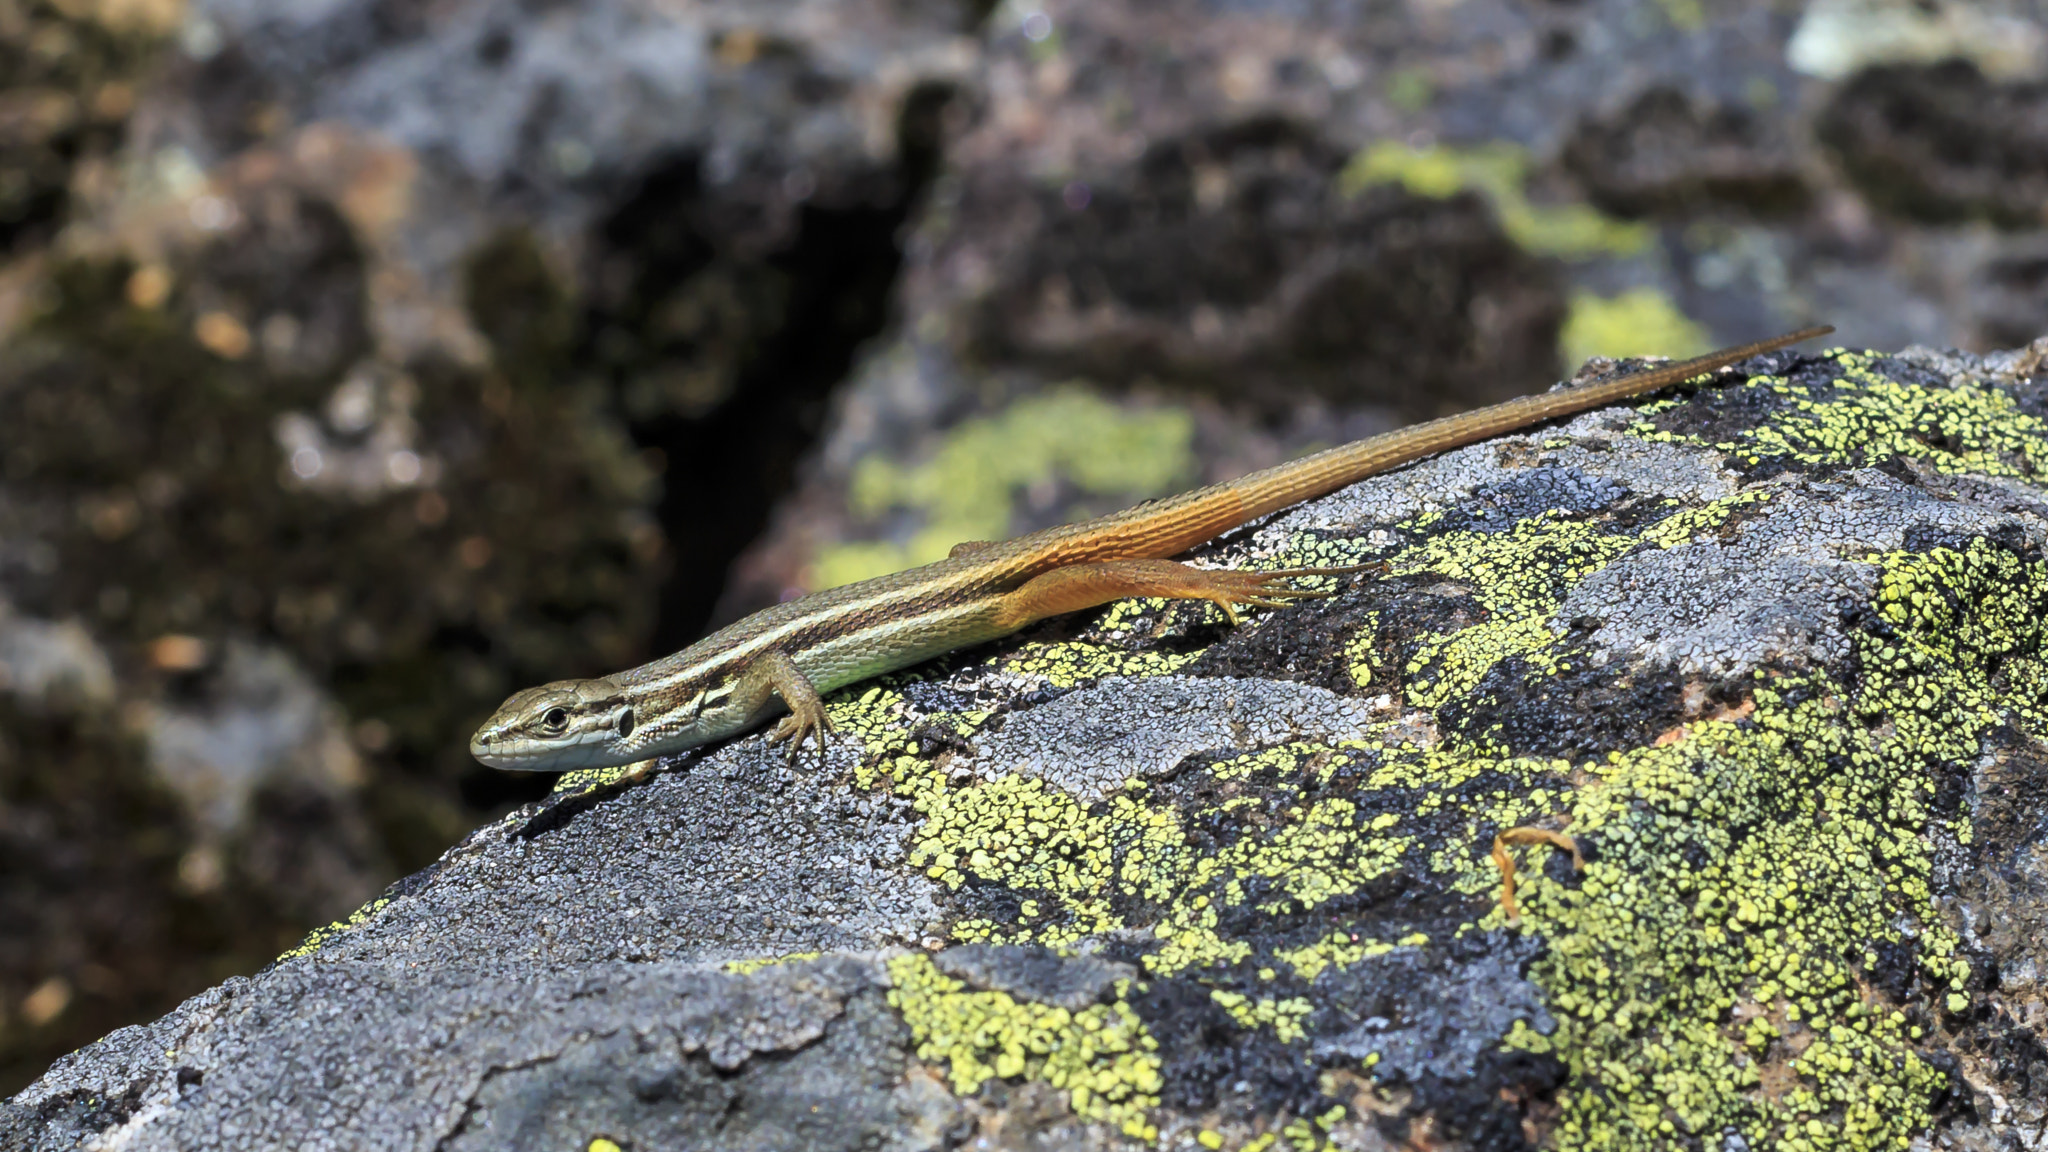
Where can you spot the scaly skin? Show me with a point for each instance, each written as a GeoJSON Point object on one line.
{"type": "Point", "coordinates": [783, 657]}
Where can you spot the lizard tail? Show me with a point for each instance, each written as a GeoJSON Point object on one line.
{"type": "Point", "coordinates": [1164, 528]}
{"type": "Point", "coordinates": [1288, 484]}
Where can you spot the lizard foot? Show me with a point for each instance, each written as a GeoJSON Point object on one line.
{"type": "Point", "coordinates": [1506, 863]}
{"type": "Point", "coordinates": [806, 721]}
{"type": "Point", "coordinates": [1229, 588]}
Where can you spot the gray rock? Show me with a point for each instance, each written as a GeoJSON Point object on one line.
{"type": "Point", "coordinates": [1089, 742]}
{"type": "Point", "coordinates": [1032, 972]}
{"type": "Point", "coordinates": [641, 1053]}
{"type": "Point", "coordinates": [1762, 593]}
{"type": "Point", "coordinates": [1475, 999]}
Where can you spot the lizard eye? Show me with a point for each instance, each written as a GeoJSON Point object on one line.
{"type": "Point", "coordinates": [555, 719]}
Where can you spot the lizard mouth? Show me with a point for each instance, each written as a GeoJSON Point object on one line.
{"type": "Point", "coordinates": [516, 755]}
{"type": "Point", "coordinates": [503, 756]}
{"type": "Point", "coordinates": [523, 755]}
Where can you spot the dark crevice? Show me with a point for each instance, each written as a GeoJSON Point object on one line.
{"type": "Point", "coordinates": [757, 343]}
{"type": "Point", "coordinates": [726, 469]}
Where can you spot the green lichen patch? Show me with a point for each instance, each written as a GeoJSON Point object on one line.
{"type": "Point", "coordinates": [1708, 521]}
{"type": "Point", "coordinates": [1340, 950]}
{"type": "Point", "coordinates": [318, 937]}
{"type": "Point", "coordinates": [1965, 626]}
{"type": "Point", "coordinates": [1520, 577]}
{"type": "Point", "coordinates": [753, 964]}
{"type": "Point", "coordinates": [1738, 873]}
{"type": "Point", "coordinates": [1856, 409]}
{"type": "Point", "coordinates": [966, 490]}
{"type": "Point", "coordinates": [1638, 322]}
{"type": "Point", "coordinates": [896, 731]}
{"type": "Point", "coordinates": [1102, 1056]}
{"type": "Point", "coordinates": [584, 781]}
{"type": "Point", "coordinates": [1499, 171]}
{"type": "Point", "coordinates": [1250, 840]}
{"type": "Point", "coordinates": [1715, 968]}
{"type": "Point", "coordinates": [1071, 663]}
{"type": "Point", "coordinates": [1247, 879]}
{"type": "Point", "coordinates": [1285, 1017]}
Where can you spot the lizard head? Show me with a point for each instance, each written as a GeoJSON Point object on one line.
{"type": "Point", "coordinates": [559, 726]}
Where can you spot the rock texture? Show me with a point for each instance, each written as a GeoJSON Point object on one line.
{"type": "Point", "coordinates": [362, 360]}
{"type": "Point", "coordinates": [318, 406]}
{"type": "Point", "coordinates": [1773, 652]}
{"type": "Point", "coordinates": [1375, 214]}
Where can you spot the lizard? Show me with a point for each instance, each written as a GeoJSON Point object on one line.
{"type": "Point", "coordinates": [783, 658]}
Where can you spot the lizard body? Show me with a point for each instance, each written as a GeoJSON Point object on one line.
{"type": "Point", "coordinates": [784, 656]}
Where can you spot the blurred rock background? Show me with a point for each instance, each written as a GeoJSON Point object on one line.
{"type": "Point", "coordinates": [364, 360]}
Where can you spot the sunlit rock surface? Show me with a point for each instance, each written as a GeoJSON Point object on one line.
{"type": "Point", "coordinates": [1773, 652]}
{"type": "Point", "coordinates": [365, 360]}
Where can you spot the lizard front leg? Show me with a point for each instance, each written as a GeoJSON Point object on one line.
{"type": "Point", "coordinates": [775, 674]}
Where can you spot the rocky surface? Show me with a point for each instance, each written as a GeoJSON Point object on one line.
{"type": "Point", "coordinates": [1773, 652]}
{"type": "Point", "coordinates": [361, 360]}
{"type": "Point", "coordinates": [318, 412]}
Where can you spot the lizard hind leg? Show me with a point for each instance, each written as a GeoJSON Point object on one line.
{"type": "Point", "coordinates": [1506, 863]}
{"type": "Point", "coordinates": [1079, 586]}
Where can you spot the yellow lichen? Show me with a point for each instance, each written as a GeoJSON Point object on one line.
{"type": "Point", "coordinates": [1102, 1056]}
{"type": "Point", "coordinates": [583, 780]}
{"type": "Point", "coordinates": [320, 936]}
{"type": "Point", "coordinates": [1067, 664]}
{"type": "Point", "coordinates": [1319, 852]}
{"type": "Point", "coordinates": [1636, 322]}
{"type": "Point", "coordinates": [1341, 950]}
{"type": "Point", "coordinates": [1827, 784]}
{"type": "Point", "coordinates": [1520, 577]}
{"type": "Point", "coordinates": [1361, 654]}
{"type": "Point", "coordinates": [1499, 171]}
{"type": "Point", "coordinates": [966, 490]}
{"type": "Point", "coordinates": [1285, 1017]}
{"type": "Point", "coordinates": [1697, 525]}
{"type": "Point", "coordinates": [1862, 416]}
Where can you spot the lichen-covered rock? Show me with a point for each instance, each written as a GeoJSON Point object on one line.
{"type": "Point", "coordinates": [1772, 653]}
{"type": "Point", "coordinates": [360, 232]}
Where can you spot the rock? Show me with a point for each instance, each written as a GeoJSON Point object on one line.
{"type": "Point", "coordinates": [1942, 142]}
{"type": "Point", "coordinates": [69, 77]}
{"type": "Point", "coordinates": [366, 360]}
{"type": "Point", "coordinates": [1773, 652]}
{"type": "Point", "coordinates": [318, 403]}
{"type": "Point", "coordinates": [1090, 742]}
{"type": "Point", "coordinates": [1034, 972]}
